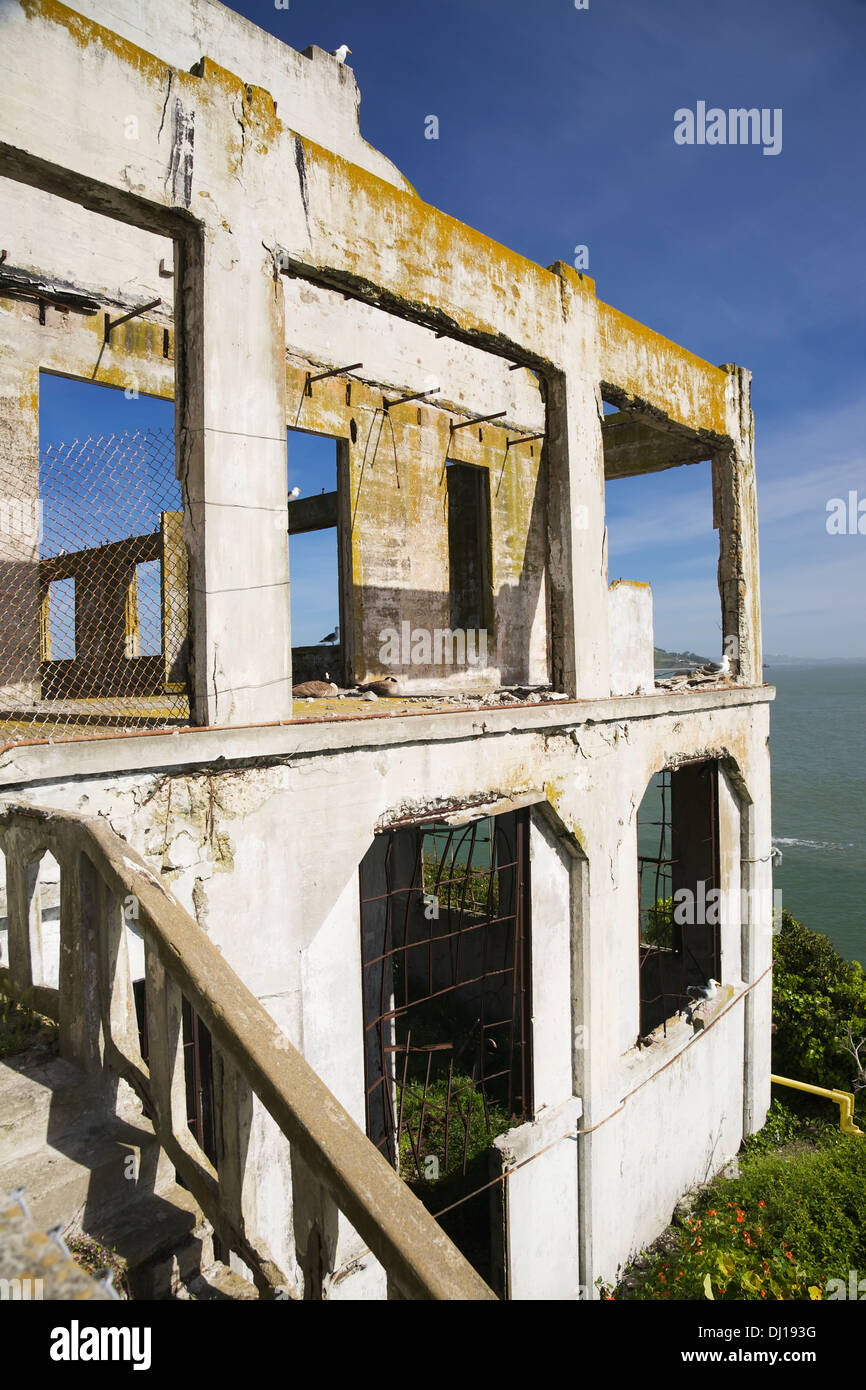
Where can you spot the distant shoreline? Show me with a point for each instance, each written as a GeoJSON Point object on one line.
{"type": "Point", "coordinates": [770, 660]}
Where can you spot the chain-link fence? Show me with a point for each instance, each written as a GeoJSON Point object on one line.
{"type": "Point", "coordinates": [93, 588]}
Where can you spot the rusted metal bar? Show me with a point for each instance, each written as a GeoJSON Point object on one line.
{"type": "Point", "coordinates": [415, 396]}
{"type": "Point", "coordinates": [333, 371]}
{"type": "Point", "coordinates": [111, 323]}
{"type": "Point", "coordinates": [525, 439]}
{"type": "Point", "coordinates": [479, 420]}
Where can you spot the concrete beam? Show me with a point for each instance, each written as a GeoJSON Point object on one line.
{"type": "Point", "coordinates": [633, 447]}
{"type": "Point", "coordinates": [45, 760]}
{"type": "Point", "coordinates": [430, 268]}
{"type": "Point", "coordinates": [640, 367]}
{"type": "Point", "coordinates": [312, 513]}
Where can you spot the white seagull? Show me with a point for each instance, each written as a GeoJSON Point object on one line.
{"type": "Point", "coordinates": [717, 668]}
{"type": "Point", "coordinates": [698, 994]}
{"type": "Point", "coordinates": [295, 492]}
{"type": "Point", "coordinates": [332, 636]}
{"type": "Point", "coordinates": [341, 53]}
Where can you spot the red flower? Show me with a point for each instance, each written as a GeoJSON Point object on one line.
{"type": "Point", "coordinates": [762, 1203]}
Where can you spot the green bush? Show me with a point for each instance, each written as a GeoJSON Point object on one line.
{"type": "Point", "coordinates": [793, 1219]}
{"type": "Point", "coordinates": [781, 1230]}
{"type": "Point", "coordinates": [786, 1124]}
{"type": "Point", "coordinates": [817, 996]}
{"type": "Point", "coordinates": [465, 1113]}
{"type": "Point", "coordinates": [657, 927]}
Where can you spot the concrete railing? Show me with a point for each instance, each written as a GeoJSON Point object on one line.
{"type": "Point", "coordinates": [94, 1005]}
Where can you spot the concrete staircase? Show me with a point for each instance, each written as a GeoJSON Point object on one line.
{"type": "Point", "coordinates": [89, 1161]}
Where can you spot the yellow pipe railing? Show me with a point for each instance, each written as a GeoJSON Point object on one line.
{"type": "Point", "coordinates": [844, 1100]}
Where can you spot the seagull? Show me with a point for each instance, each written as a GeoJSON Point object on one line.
{"type": "Point", "coordinates": [698, 994]}
{"type": "Point", "coordinates": [295, 492]}
{"type": "Point", "coordinates": [341, 53]}
{"type": "Point", "coordinates": [332, 636]}
{"type": "Point", "coordinates": [717, 668]}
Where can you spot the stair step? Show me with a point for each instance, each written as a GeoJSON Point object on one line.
{"type": "Point", "coordinates": [162, 1238]}
{"type": "Point", "coordinates": [218, 1282]}
{"type": "Point", "coordinates": [65, 1137]}
{"type": "Point", "coordinates": [87, 1171]}
{"type": "Point", "coordinates": [43, 1098]}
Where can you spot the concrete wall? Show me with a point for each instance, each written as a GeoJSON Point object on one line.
{"type": "Point", "coordinates": [396, 517]}
{"type": "Point", "coordinates": [314, 94]}
{"type": "Point", "coordinates": [296, 247]}
{"type": "Point", "coordinates": [213, 158]}
{"type": "Point", "coordinates": [630, 624]}
{"type": "Point", "coordinates": [266, 857]}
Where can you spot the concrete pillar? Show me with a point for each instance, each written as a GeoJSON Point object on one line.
{"type": "Point", "coordinates": [541, 1225]}
{"type": "Point", "coordinates": [19, 530]}
{"type": "Point", "coordinates": [231, 423]}
{"type": "Point", "coordinates": [576, 532]}
{"type": "Point", "coordinates": [757, 929]}
{"type": "Point", "coordinates": [735, 516]}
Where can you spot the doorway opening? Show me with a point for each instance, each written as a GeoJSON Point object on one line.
{"type": "Point", "coordinates": [319, 573]}
{"type": "Point", "coordinates": [678, 885]}
{"type": "Point", "coordinates": [445, 958]}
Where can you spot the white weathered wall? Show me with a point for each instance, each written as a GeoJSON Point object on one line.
{"type": "Point", "coordinates": [267, 856]}
{"type": "Point", "coordinates": [315, 96]}
{"type": "Point", "coordinates": [630, 626]}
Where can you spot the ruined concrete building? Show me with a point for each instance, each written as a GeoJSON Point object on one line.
{"type": "Point", "coordinates": [354, 981]}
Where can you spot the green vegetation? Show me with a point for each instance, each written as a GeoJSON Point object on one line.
{"type": "Point", "coordinates": [456, 886]}
{"type": "Point", "coordinates": [661, 657]}
{"type": "Point", "coordinates": [787, 1225]}
{"type": "Point", "coordinates": [466, 1115]}
{"type": "Point", "coordinates": [98, 1259]}
{"type": "Point", "coordinates": [793, 1218]}
{"type": "Point", "coordinates": [657, 927]}
{"type": "Point", "coordinates": [20, 1025]}
{"type": "Point", "coordinates": [819, 1002]}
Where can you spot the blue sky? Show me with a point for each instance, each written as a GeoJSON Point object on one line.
{"type": "Point", "coordinates": [556, 129]}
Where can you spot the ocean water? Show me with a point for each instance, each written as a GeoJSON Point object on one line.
{"type": "Point", "coordinates": [818, 757]}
